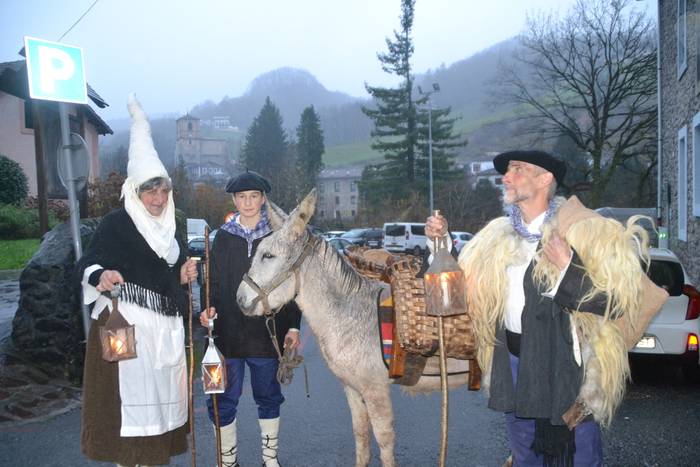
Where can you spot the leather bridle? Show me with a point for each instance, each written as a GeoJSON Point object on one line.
{"type": "Point", "coordinates": [264, 293]}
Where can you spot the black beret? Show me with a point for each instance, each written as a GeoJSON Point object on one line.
{"type": "Point", "coordinates": [248, 180]}
{"type": "Point", "coordinates": [534, 157]}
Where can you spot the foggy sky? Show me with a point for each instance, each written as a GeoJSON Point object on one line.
{"type": "Point", "coordinates": [175, 54]}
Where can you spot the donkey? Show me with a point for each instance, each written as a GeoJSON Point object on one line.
{"type": "Point", "coordinates": [340, 307]}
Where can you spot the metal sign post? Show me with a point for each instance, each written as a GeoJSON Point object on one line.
{"type": "Point", "coordinates": [56, 72]}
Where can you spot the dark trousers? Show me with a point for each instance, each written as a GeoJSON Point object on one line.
{"type": "Point", "coordinates": [521, 434]}
{"type": "Point", "coordinates": [263, 380]}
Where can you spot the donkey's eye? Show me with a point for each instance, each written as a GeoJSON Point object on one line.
{"type": "Point", "coordinates": [268, 256]}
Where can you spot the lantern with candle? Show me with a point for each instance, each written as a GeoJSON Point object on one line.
{"type": "Point", "coordinates": [117, 336]}
{"type": "Point", "coordinates": [445, 287]}
{"type": "Point", "coordinates": [213, 369]}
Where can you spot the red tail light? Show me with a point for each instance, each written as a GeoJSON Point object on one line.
{"type": "Point", "coordinates": [693, 302]}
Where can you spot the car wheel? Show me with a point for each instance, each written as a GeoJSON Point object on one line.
{"type": "Point", "coordinates": [417, 251]}
{"type": "Point", "coordinates": [691, 373]}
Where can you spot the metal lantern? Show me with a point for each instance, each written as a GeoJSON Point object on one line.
{"type": "Point", "coordinates": [117, 336]}
{"type": "Point", "coordinates": [445, 287]}
{"type": "Point", "coordinates": [213, 370]}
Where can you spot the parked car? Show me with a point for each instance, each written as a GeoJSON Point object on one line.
{"type": "Point", "coordinates": [340, 244]}
{"type": "Point", "coordinates": [372, 238]}
{"type": "Point", "coordinates": [459, 239]}
{"type": "Point", "coordinates": [332, 234]}
{"type": "Point", "coordinates": [195, 247]}
{"type": "Point", "coordinates": [405, 237]}
{"type": "Point", "coordinates": [195, 228]}
{"type": "Point", "coordinates": [672, 335]}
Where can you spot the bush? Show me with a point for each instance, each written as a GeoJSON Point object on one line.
{"type": "Point", "coordinates": [16, 222]}
{"type": "Point", "coordinates": [13, 182]}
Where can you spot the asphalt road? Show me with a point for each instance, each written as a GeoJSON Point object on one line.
{"type": "Point", "coordinates": [658, 425]}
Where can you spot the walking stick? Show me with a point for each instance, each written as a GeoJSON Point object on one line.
{"type": "Point", "coordinates": [190, 385]}
{"type": "Point", "coordinates": [445, 296]}
{"type": "Point", "coordinates": [210, 328]}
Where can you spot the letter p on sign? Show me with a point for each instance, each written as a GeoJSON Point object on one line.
{"type": "Point", "coordinates": [55, 71]}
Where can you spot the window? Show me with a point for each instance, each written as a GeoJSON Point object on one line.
{"type": "Point", "coordinates": [353, 199]}
{"type": "Point", "coordinates": [323, 213]}
{"type": "Point", "coordinates": [353, 213]}
{"type": "Point", "coordinates": [696, 165]}
{"type": "Point", "coordinates": [418, 229]}
{"type": "Point", "coordinates": [681, 38]}
{"type": "Point", "coordinates": [476, 167]}
{"type": "Point", "coordinates": [353, 186]}
{"type": "Point", "coordinates": [499, 181]}
{"type": "Point", "coordinates": [336, 187]}
{"type": "Point", "coordinates": [337, 200]}
{"type": "Point", "coordinates": [682, 183]}
{"type": "Point", "coordinates": [189, 126]}
{"type": "Point", "coordinates": [337, 214]}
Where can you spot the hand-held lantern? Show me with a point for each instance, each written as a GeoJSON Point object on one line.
{"type": "Point", "coordinates": [213, 368]}
{"type": "Point", "coordinates": [445, 287]}
{"type": "Point", "coordinates": [117, 336]}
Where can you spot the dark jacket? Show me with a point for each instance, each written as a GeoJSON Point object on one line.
{"type": "Point", "coordinates": [237, 335]}
{"type": "Point", "coordinates": [548, 377]}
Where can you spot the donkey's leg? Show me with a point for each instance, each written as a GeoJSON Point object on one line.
{"type": "Point", "coordinates": [360, 426]}
{"type": "Point", "coordinates": [381, 416]}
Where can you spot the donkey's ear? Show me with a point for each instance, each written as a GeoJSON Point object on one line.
{"type": "Point", "coordinates": [276, 215]}
{"type": "Point", "coordinates": [302, 214]}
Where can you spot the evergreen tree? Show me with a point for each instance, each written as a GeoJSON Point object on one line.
{"type": "Point", "coordinates": [401, 126]}
{"type": "Point", "coordinates": [266, 151]}
{"type": "Point", "coordinates": [309, 150]}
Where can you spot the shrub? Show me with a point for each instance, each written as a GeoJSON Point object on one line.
{"type": "Point", "coordinates": [16, 222]}
{"type": "Point", "coordinates": [13, 182]}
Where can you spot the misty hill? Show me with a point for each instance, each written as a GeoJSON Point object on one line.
{"type": "Point", "coordinates": [291, 90]}
{"type": "Point", "coordinates": [464, 85]}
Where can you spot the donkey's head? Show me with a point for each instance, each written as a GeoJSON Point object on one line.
{"type": "Point", "coordinates": [271, 281]}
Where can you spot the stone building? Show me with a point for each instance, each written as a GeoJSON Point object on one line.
{"type": "Point", "coordinates": [203, 157]}
{"type": "Point", "coordinates": [338, 194]}
{"type": "Point", "coordinates": [679, 155]}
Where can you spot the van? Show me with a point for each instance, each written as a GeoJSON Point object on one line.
{"type": "Point", "coordinates": [195, 228]}
{"type": "Point", "coordinates": [405, 237]}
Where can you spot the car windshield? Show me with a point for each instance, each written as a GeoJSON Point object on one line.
{"type": "Point", "coordinates": [667, 275]}
{"type": "Point", "coordinates": [353, 233]}
{"type": "Point", "coordinates": [395, 230]}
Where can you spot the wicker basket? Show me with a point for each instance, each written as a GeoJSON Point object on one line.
{"type": "Point", "coordinates": [418, 332]}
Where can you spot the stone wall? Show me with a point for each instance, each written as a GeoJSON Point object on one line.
{"type": "Point", "coordinates": [47, 329]}
{"type": "Point", "coordinates": [680, 102]}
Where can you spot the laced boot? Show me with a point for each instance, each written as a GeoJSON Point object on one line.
{"type": "Point", "coordinates": [269, 429]}
{"type": "Point", "coordinates": [229, 445]}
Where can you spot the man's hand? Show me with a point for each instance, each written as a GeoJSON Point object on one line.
{"type": "Point", "coordinates": [108, 279]}
{"type": "Point", "coordinates": [206, 315]}
{"type": "Point", "coordinates": [291, 340]}
{"type": "Point", "coordinates": [188, 271]}
{"type": "Point", "coordinates": [435, 227]}
{"type": "Point", "coordinates": [557, 251]}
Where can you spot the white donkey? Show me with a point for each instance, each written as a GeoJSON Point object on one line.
{"type": "Point", "coordinates": [340, 306]}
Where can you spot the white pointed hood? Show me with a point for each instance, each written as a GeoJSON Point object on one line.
{"type": "Point", "coordinates": [144, 164]}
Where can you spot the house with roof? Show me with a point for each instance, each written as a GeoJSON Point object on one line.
{"type": "Point", "coordinates": [203, 157]}
{"type": "Point", "coordinates": [679, 130]}
{"type": "Point", "coordinates": [30, 131]}
{"type": "Point", "coordinates": [338, 194]}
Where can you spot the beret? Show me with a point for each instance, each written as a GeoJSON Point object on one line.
{"type": "Point", "coordinates": [248, 180]}
{"type": "Point", "coordinates": [534, 157]}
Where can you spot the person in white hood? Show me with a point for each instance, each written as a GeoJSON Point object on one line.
{"type": "Point", "coordinates": [135, 411]}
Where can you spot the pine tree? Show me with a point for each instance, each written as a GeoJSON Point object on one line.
{"type": "Point", "coordinates": [401, 126]}
{"type": "Point", "coordinates": [309, 150]}
{"type": "Point", "coordinates": [266, 151]}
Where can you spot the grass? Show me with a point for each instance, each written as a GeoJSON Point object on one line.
{"type": "Point", "coordinates": [14, 254]}
{"type": "Point", "coordinates": [347, 154]}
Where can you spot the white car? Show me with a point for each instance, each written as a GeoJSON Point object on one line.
{"type": "Point", "coordinates": [459, 239]}
{"type": "Point", "coordinates": [673, 333]}
{"type": "Point", "coordinates": [405, 237]}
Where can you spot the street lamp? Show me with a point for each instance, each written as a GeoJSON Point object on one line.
{"type": "Point", "coordinates": [436, 88]}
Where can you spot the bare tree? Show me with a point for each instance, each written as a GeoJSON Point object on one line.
{"type": "Point", "coordinates": [591, 76]}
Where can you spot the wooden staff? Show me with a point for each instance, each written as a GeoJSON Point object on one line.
{"type": "Point", "coordinates": [217, 425]}
{"type": "Point", "coordinates": [191, 377]}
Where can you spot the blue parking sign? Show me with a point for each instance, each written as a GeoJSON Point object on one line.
{"type": "Point", "coordinates": [56, 71]}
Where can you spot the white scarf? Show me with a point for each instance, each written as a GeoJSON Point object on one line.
{"type": "Point", "coordinates": [159, 232]}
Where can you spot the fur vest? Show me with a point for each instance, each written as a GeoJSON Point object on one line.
{"type": "Point", "coordinates": [613, 267]}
